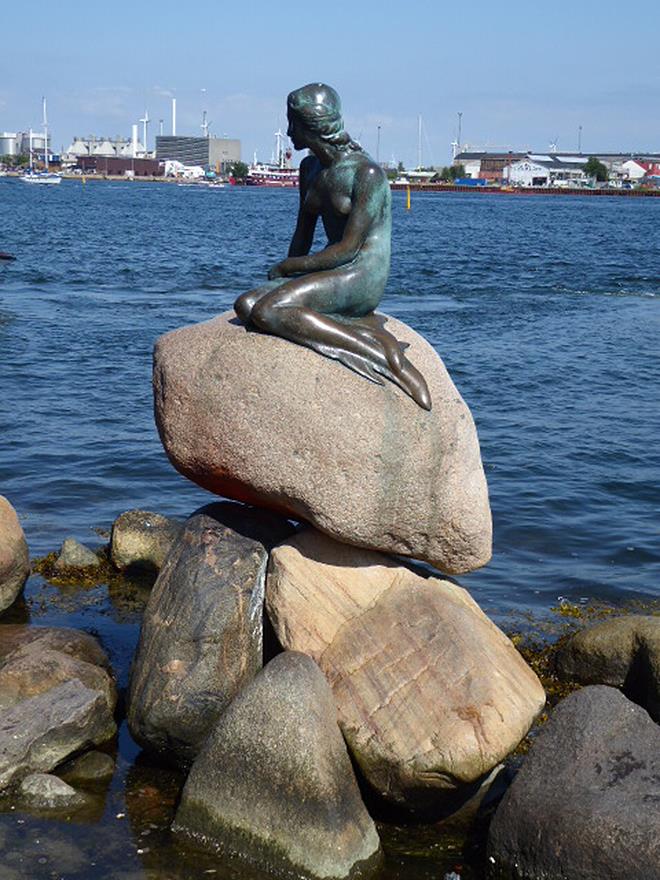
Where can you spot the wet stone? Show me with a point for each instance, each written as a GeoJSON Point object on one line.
{"type": "Point", "coordinates": [45, 791]}
{"type": "Point", "coordinates": [88, 768]}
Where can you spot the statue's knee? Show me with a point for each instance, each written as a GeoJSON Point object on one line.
{"type": "Point", "coordinates": [261, 314]}
{"type": "Point", "coordinates": [243, 307]}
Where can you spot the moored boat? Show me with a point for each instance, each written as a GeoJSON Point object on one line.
{"type": "Point", "coordinates": [43, 177]}
{"type": "Point", "coordinates": [277, 173]}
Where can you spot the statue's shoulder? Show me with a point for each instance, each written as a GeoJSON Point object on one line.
{"type": "Point", "coordinates": [309, 167]}
{"type": "Point", "coordinates": [369, 171]}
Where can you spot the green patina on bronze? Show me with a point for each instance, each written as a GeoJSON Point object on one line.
{"type": "Point", "coordinates": [326, 300]}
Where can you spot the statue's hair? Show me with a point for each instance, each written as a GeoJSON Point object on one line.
{"type": "Point", "coordinates": [319, 109]}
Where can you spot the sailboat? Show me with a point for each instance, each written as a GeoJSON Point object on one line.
{"type": "Point", "coordinates": [43, 177]}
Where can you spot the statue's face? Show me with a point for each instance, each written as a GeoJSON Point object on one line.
{"type": "Point", "coordinates": [297, 132]}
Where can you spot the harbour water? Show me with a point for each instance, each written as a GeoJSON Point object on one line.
{"type": "Point", "coordinates": [545, 310]}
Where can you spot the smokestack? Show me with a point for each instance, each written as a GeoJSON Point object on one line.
{"type": "Point", "coordinates": [135, 140]}
{"type": "Point", "coordinates": [173, 116]}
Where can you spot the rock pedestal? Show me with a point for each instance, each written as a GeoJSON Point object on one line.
{"type": "Point", "coordinates": [430, 694]}
{"type": "Point", "coordinates": [260, 419]}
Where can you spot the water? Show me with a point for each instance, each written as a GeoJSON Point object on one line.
{"type": "Point", "coordinates": [545, 311]}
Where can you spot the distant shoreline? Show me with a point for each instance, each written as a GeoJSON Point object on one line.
{"type": "Point", "coordinates": [524, 191]}
{"type": "Point", "coordinates": [398, 187]}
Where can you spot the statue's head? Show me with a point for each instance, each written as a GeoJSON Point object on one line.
{"type": "Point", "coordinates": [316, 108]}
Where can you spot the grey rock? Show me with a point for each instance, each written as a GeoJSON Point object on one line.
{"type": "Point", "coordinates": [57, 638]}
{"type": "Point", "coordinates": [254, 417]}
{"type": "Point", "coordinates": [586, 803]}
{"type": "Point", "coordinates": [73, 554]}
{"type": "Point", "coordinates": [36, 668]}
{"type": "Point", "coordinates": [623, 653]}
{"type": "Point", "coordinates": [14, 555]}
{"type": "Point", "coordinates": [274, 783]}
{"type": "Point", "coordinates": [39, 733]}
{"type": "Point", "coordinates": [45, 791]}
{"type": "Point", "coordinates": [202, 631]}
{"type": "Point", "coordinates": [142, 539]}
{"type": "Point", "coordinates": [91, 767]}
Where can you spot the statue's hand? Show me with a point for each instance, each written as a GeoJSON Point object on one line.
{"type": "Point", "coordinates": [278, 271]}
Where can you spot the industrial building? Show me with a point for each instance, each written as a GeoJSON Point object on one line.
{"type": "Point", "coordinates": [117, 147]}
{"type": "Point", "coordinates": [17, 143]}
{"type": "Point", "coordinates": [217, 153]}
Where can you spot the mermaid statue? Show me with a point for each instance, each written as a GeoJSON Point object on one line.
{"type": "Point", "coordinates": [326, 300]}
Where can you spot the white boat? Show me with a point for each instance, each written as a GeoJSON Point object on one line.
{"type": "Point", "coordinates": [42, 177]}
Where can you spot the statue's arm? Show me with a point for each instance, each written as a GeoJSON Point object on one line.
{"type": "Point", "coordinates": [303, 237]}
{"type": "Point", "coordinates": [366, 205]}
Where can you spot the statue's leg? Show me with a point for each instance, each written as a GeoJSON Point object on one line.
{"type": "Point", "coordinates": [295, 311]}
{"type": "Point", "coordinates": [246, 301]}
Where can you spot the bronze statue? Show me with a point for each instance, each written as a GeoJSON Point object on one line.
{"type": "Point", "coordinates": [326, 300]}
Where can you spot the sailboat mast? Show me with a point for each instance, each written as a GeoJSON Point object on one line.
{"type": "Point", "coordinates": [45, 134]}
{"type": "Point", "coordinates": [419, 142]}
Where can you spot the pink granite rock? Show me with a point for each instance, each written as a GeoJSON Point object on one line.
{"type": "Point", "coordinates": [260, 419]}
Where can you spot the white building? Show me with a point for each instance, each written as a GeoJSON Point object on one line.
{"type": "Point", "coordinates": [633, 170]}
{"type": "Point", "coordinates": [547, 170]}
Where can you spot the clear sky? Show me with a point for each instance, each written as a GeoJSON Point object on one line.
{"type": "Point", "coordinates": [522, 75]}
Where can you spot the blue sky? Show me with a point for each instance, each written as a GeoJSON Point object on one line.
{"type": "Point", "coordinates": [521, 76]}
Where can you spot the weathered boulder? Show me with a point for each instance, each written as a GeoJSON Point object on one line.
{"type": "Point", "coordinates": [142, 539]}
{"type": "Point", "coordinates": [623, 653]}
{"type": "Point", "coordinates": [34, 669]}
{"type": "Point", "coordinates": [586, 802]}
{"type": "Point", "coordinates": [430, 694]}
{"type": "Point", "coordinates": [260, 419]}
{"type": "Point", "coordinates": [274, 783]}
{"type": "Point", "coordinates": [68, 641]}
{"type": "Point", "coordinates": [14, 555]}
{"type": "Point", "coordinates": [40, 732]}
{"type": "Point", "coordinates": [202, 631]}
{"type": "Point", "coordinates": [45, 791]}
{"type": "Point", "coordinates": [73, 554]}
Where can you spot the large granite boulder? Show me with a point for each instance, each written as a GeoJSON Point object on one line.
{"type": "Point", "coordinates": [142, 539]}
{"type": "Point", "coordinates": [202, 631]}
{"type": "Point", "coordinates": [586, 803]}
{"type": "Point", "coordinates": [260, 419]}
{"type": "Point", "coordinates": [14, 555]}
{"type": "Point", "coordinates": [274, 783]}
{"type": "Point", "coordinates": [623, 653]}
{"type": "Point", "coordinates": [40, 732]}
{"type": "Point", "coordinates": [430, 694]}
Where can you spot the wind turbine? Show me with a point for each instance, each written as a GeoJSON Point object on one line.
{"type": "Point", "coordinates": [145, 122]}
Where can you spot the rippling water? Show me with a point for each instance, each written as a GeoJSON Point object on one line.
{"type": "Point", "coordinates": [545, 310]}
